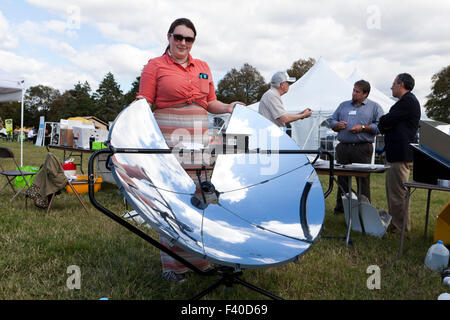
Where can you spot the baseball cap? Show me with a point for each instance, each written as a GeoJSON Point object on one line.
{"type": "Point", "coordinates": [281, 76]}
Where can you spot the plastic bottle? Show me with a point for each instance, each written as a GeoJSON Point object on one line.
{"type": "Point", "coordinates": [446, 277]}
{"type": "Point", "coordinates": [437, 257]}
{"type": "Point", "coordinates": [444, 296]}
{"type": "Point", "coordinates": [446, 281]}
{"type": "Point", "coordinates": [91, 141]}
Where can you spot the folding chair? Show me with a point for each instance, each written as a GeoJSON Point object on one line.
{"type": "Point", "coordinates": [10, 175]}
{"type": "Point", "coordinates": [59, 180]}
{"type": "Point", "coordinates": [70, 184]}
{"type": "Point", "coordinates": [49, 181]}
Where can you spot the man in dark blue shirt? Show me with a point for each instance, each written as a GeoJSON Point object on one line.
{"type": "Point", "coordinates": [399, 127]}
{"type": "Point", "coordinates": [356, 122]}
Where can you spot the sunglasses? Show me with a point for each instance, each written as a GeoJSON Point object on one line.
{"type": "Point", "coordinates": [179, 37]}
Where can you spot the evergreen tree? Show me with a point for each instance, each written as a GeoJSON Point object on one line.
{"type": "Point", "coordinates": [130, 96]}
{"type": "Point", "coordinates": [84, 104]}
{"type": "Point", "coordinates": [109, 99]}
{"type": "Point", "coordinates": [73, 103]}
{"type": "Point", "coordinates": [59, 108]}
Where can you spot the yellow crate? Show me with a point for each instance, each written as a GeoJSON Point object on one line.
{"type": "Point", "coordinates": [83, 187]}
{"type": "Point", "coordinates": [442, 230]}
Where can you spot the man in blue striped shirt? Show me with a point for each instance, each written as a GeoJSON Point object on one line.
{"type": "Point", "coordinates": [356, 122]}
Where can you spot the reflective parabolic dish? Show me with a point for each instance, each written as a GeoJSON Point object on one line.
{"type": "Point", "coordinates": [257, 220]}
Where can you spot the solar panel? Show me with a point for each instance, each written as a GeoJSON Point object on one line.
{"type": "Point", "coordinates": [259, 209]}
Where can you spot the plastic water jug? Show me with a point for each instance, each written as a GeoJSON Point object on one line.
{"type": "Point", "coordinates": [437, 257]}
{"type": "Point", "coordinates": [444, 296]}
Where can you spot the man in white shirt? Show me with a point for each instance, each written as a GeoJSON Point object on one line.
{"type": "Point", "coordinates": [271, 105]}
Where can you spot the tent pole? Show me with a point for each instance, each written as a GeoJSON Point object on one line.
{"type": "Point", "coordinates": [374, 143]}
{"type": "Point", "coordinates": [310, 132]}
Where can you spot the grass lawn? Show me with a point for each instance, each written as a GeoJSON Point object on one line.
{"type": "Point", "coordinates": [36, 250]}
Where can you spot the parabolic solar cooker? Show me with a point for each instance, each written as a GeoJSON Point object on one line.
{"type": "Point", "coordinates": [259, 205]}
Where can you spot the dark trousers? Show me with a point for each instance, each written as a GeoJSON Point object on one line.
{"type": "Point", "coordinates": [347, 153]}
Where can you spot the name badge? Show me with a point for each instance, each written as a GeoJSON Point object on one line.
{"type": "Point", "coordinates": [352, 113]}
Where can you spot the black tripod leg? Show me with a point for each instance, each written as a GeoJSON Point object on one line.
{"type": "Point", "coordinates": [209, 289]}
{"type": "Point", "coordinates": [228, 280]}
{"type": "Point", "coordinates": [257, 289]}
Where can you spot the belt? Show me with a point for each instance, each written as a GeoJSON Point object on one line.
{"type": "Point", "coordinates": [356, 143]}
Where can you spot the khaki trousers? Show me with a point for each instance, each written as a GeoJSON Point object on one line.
{"type": "Point", "coordinates": [396, 176]}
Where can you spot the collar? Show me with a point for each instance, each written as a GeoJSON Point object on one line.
{"type": "Point", "coordinates": [362, 103]}
{"type": "Point", "coordinates": [275, 90]}
{"type": "Point", "coordinates": [170, 58]}
{"type": "Point", "coordinates": [407, 93]}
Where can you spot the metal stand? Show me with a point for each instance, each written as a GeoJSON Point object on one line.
{"type": "Point", "coordinates": [347, 238]}
{"type": "Point", "coordinates": [427, 213]}
{"type": "Point", "coordinates": [416, 185]}
{"type": "Point", "coordinates": [358, 173]}
{"type": "Point", "coordinates": [349, 197]}
{"type": "Point", "coordinates": [230, 277]}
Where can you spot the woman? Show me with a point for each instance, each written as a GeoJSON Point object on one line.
{"type": "Point", "coordinates": [180, 87]}
{"type": "Point", "coordinates": [181, 90]}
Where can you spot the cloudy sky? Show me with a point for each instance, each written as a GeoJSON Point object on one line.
{"type": "Point", "coordinates": [59, 43]}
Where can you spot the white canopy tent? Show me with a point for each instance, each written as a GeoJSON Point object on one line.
{"type": "Point", "coordinates": [11, 89]}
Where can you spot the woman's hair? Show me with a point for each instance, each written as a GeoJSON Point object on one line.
{"type": "Point", "coordinates": [181, 22]}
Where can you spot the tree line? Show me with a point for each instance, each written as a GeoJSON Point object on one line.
{"type": "Point", "coordinates": [245, 84]}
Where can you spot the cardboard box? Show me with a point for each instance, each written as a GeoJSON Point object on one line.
{"type": "Point", "coordinates": [81, 136]}
{"type": "Point", "coordinates": [66, 138]}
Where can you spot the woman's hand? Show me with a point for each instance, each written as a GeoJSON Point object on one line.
{"type": "Point", "coordinates": [233, 104]}
{"type": "Point", "coordinates": [218, 107]}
